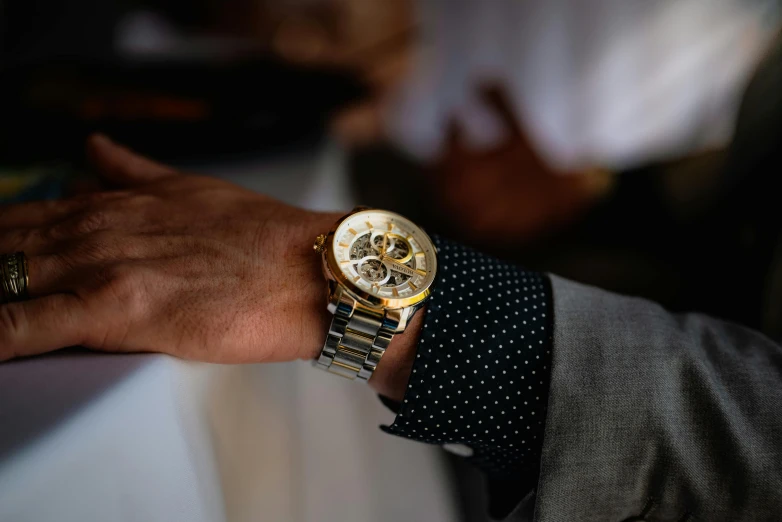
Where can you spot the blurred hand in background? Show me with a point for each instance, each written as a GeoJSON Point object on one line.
{"type": "Point", "coordinates": [508, 194]}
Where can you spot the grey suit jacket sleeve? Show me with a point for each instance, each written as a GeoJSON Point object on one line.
{"type": "Point", "coordinates": [657, 416]}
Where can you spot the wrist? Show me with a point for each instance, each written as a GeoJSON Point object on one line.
{"type": "Point", "coordinates": [310, 297]}
{"type": "Point", "coordinates": [393, 371]}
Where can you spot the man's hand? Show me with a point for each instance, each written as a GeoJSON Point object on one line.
{"type": "Point", "coordinates": [508, 194]}
{"type": "Point", "coordinates": [185, 265]}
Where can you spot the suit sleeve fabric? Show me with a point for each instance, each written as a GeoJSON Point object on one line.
{"type": "Point", "coordinates": [658, 416]}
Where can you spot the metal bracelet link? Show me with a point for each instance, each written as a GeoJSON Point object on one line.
{"type": "Point", "coordinates": [356, 341]}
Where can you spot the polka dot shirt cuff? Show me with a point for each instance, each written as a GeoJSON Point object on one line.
{"type": "Point", "coordinates": [481, 373]}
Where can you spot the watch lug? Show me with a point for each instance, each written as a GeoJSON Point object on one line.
{"type": "Point", "coordinates": [339, 298]}
{"type": "Point", "coordinates": [407, 315]}
{"type": "Point", "coordinates": [402, 316]}
{"type": "Point", "coordinates": [396, 314]}
{"type": "Point", "coordinates": [335, 293]}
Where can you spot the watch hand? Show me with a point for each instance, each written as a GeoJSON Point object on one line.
{"type": "Point", "coordinates": [385, 246]}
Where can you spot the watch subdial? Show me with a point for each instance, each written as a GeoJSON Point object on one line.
{"type": "Point", "coordinates": [372, 269]}
{"type": "Point", "coordinates": [402, 252]}
{"type": "Point", "coordinates": [361, 248]}
{"type": "Point", "coordinates": [396, 247]}
{"type": "Point", "coordinates": [378, 238]}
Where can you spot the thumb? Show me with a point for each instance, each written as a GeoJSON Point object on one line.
{"type": "Point", "coordinates": [121, 166]}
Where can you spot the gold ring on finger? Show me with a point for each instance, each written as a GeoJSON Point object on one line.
{"type": "Point", "coordinates": [14, 278]}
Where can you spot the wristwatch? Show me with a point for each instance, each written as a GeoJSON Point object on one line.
{"type": "Point", "coordinates": [380, 269]}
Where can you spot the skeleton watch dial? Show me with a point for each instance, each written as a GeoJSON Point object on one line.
{"type": "Point", "coordinates": [384, 255]}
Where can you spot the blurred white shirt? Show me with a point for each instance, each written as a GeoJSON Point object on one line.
{"type": "Point", "coordinates": [595, 82]}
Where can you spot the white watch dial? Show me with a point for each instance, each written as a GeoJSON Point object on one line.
{"type": "Point", "coordinates": [384, 254]}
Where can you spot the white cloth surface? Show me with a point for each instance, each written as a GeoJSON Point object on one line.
{"type": "Point", "coordinates": [149, 438]}
{"type": "Point", "coordinates": [595, 82]}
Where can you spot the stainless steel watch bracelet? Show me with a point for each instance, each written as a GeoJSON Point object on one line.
{"type": "Point", "coordinates": [356, 341]}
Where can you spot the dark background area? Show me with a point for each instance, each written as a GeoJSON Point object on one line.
{"type": "Point", "coordinates": [62, 77]}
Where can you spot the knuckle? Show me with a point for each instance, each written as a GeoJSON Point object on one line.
{"type": "Point", "coordinates": [112, 274]}
{"type": "Point", "coordinates": [81, 225]}
{"type": "Point", "coordinates": [90, 222]}
{"type": "Point", "coordinates": [121, 283]}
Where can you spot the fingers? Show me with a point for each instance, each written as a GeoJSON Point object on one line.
{"type": "Point", "coordinates": [53, 274]}
{"type": "Point", "coordinates": [35, 213]}
{"type": "Point", "coordinates": [45, 213]}
{"type": "Point", "coordinates": [42, 325]}
{"type": "Point", "coordinates": [53, 238]}
{"type": "Point", "coordinates": [50, 274]}
{"type": "Point", "coordinates": [121, 166]}
{"type": "Point", "coordinates": [27, 240]}
{"type": "Point", "coordinates": [497, 100]}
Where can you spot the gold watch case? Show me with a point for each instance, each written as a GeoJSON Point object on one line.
{"type": "Point", "coordinates": [337, 253]}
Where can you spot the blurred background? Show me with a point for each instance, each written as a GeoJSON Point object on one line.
{"type": "Point", "coordinates": [624, 143]}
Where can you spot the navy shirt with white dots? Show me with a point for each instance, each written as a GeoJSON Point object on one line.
{"type": "Point", "coordinates": [481, 373]}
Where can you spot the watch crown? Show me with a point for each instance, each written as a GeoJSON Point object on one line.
{"type": "Point", "coordinates": [320, 244]}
